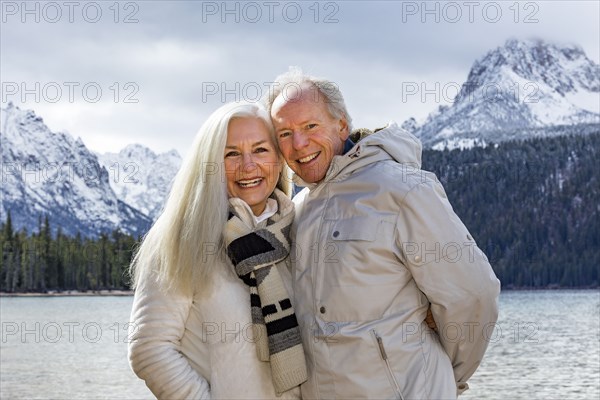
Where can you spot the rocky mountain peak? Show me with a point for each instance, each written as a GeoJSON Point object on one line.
{"type": "Point", "coordinates": [517, 87]}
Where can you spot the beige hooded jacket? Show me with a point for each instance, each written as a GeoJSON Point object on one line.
{"type": "Point", "coordinates": [377, 244]}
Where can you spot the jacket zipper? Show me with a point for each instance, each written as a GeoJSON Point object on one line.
{"type": "Point", "coordinates": [385, 359]}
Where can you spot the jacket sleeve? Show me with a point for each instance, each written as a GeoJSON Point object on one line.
{"type": "Point", "coordinates": [452, 272]}
{"type": "Point", "coordinates": [157, 326]}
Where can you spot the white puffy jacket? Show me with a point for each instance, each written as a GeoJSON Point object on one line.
{"type": "Point", "coordinates": [377, 244]}
{"type": "Point", "coordinates": [200, 347]}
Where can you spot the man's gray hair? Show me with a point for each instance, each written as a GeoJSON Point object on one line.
{"type": "Point", "coordinates": [294, 77]}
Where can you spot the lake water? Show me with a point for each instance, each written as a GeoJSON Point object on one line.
{"type": "Point", "coordinates": [546, 345]}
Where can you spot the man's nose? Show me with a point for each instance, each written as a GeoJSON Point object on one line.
{"type": "Point", "coordinates": [299, 140]}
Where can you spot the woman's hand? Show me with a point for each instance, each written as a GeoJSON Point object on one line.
{"type": "Point", "coordinates": [430, 321]}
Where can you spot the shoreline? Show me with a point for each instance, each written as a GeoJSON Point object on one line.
{"type": "Point", "coordinates": [69, 293]}
{"type": "Point", "coordinates": [511, 288]}
{"type": "Point", "coordinates": [76, 293]}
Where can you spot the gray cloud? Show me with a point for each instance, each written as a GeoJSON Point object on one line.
{"type": "Point", "coordinates": [171, 60]}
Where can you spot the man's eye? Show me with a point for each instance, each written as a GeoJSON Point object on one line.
{"type": "Point", "coordinates": [311, 126]}
{"type": "Point", "coordinates": [285, 134]}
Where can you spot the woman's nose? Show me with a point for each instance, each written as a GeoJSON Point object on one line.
{"type": "Point", "coordinates": [248, 163]}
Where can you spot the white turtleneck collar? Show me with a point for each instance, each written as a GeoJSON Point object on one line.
{"type": "Point", "coordinates": [246, 214]}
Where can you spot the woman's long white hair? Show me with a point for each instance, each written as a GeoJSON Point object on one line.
{"type": "Point", "coordinates": [184, 245]}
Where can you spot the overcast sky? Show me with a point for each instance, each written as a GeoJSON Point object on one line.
{"type": "Point", "coordinates": [150, 72]}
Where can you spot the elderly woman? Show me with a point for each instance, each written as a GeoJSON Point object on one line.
{"type": "Point", "coordinates": [212, 315]}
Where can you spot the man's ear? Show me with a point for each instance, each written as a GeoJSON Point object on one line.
{"type": "Point", "coordinates": [344, 133]}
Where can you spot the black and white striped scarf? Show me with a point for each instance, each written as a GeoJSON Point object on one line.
{"type": "Point", "coordinates": [255, 254]}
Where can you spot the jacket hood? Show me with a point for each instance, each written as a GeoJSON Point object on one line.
{"type": "Point", "coordinates": [391, 142]}
{"type": "Point", "coordinates": [398, 143]}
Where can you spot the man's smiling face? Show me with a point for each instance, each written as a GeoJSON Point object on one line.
{"type": "Point", "coordinates": [308, 135]}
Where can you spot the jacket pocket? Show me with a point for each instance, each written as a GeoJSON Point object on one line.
{"type": "Point", "coordinates": [356, 228]}
{"type": "Point", "coordinates": [359, 280]}
{"type": "Point", "coordinates": [386, 361]}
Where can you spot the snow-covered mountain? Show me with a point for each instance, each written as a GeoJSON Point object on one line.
{"type": "Point", "coordinates": [523, 89]}
{"type": "Point", "coordinates": [521, 86]}
{"type": "Point", "coordinates": [140, 177]}
{"type": "Point", "coordinates": [48, 173]}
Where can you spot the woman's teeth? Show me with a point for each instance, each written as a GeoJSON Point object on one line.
{"type": "Point", "coordinates": [250, 182]}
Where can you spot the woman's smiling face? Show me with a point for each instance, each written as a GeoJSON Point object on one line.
{"type": "Point", "coordinates": [252, 163]}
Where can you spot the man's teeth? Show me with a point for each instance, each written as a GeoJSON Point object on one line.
{"type": "Point", "coordinates": [308, 158]}
{"type": "Point", "coordinates": [250, 182]}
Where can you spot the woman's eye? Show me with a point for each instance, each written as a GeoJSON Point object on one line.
{"type": "Point", "coordinates": [231, 154]}
{"type": "Point", "coordinates": [260, 150]}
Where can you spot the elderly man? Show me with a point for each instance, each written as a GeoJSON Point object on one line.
{"type": "Point", "coordinates": [378, 244]}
